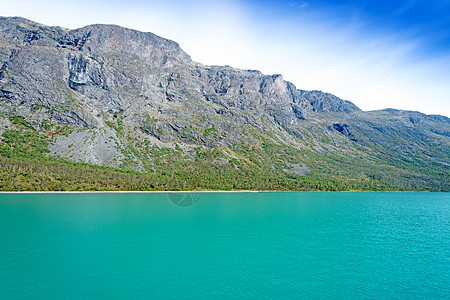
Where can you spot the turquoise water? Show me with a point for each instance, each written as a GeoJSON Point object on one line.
{"type": "Point", "coordinates": [225, 245]}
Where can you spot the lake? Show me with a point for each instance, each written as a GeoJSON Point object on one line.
{"type": "Point", "coordinates": [294, 245]}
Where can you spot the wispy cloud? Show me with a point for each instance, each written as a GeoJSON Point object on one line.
{"type": "Point", "coordinates": [299, 5]}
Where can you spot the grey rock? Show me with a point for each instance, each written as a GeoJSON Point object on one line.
{"type": "Point", "coordinates": [325, 102]}
{"type": "Point", "coordinates": [99, 146]}
{"type": "Point", "coordinates": [345, 130]}
{"type": "Point", "coordinates": [299, 169]}
{"type": "Point", "coordinates": [221, 161]}
{"type": "Point", "coordinates": [102, 74]}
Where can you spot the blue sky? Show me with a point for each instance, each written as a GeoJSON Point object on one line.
{"type": "Point", "coordinates": [377, 54]}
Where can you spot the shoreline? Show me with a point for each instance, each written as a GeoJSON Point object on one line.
{"type": "Point", "coordinates": [207, 191]}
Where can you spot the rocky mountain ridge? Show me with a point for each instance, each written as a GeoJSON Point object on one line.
{"type": "Point", "coordinates": [120, 94]}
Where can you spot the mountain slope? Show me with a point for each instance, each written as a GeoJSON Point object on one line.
{"type": "Point", "coordinates": [116, 97]}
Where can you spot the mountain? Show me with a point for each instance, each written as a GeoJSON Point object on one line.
{"type": "Point", "coordinates": [133, 109]}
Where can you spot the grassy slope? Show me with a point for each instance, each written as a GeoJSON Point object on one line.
{"type": "Point", "coordinates": [24, 165]}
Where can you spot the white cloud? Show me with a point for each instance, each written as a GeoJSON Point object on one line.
{"type": "Point", "coordinates": [299, 5]}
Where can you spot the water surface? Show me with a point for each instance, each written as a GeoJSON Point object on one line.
{"type": "Point", "coordinates": [225, 245]}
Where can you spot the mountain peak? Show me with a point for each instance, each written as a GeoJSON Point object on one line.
{"type": "Point", "coordinates": [120, 95]}
{"type": "Point", "coordinates": [112, 38]}
{"type": "Point", "coordinates": [98, 38]}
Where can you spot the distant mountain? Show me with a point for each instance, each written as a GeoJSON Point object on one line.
{"type": "Point", "coordinates": [115, 97]}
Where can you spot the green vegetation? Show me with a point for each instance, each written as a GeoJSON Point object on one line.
{"type": "Point", "coordinates": [25, 165]}
{"type": "Point", "coordinates": [116, 124]}
{"type": "Point", "coordinates": [18, 120]}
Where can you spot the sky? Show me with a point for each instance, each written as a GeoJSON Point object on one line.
{"type": "Point", "coordinates": [377, 54]}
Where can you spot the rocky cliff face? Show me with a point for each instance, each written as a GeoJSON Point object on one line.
{"type": "Point", "coordinates": [117, 88]}
{"type": "Point", "coordinates": [91, 73]}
